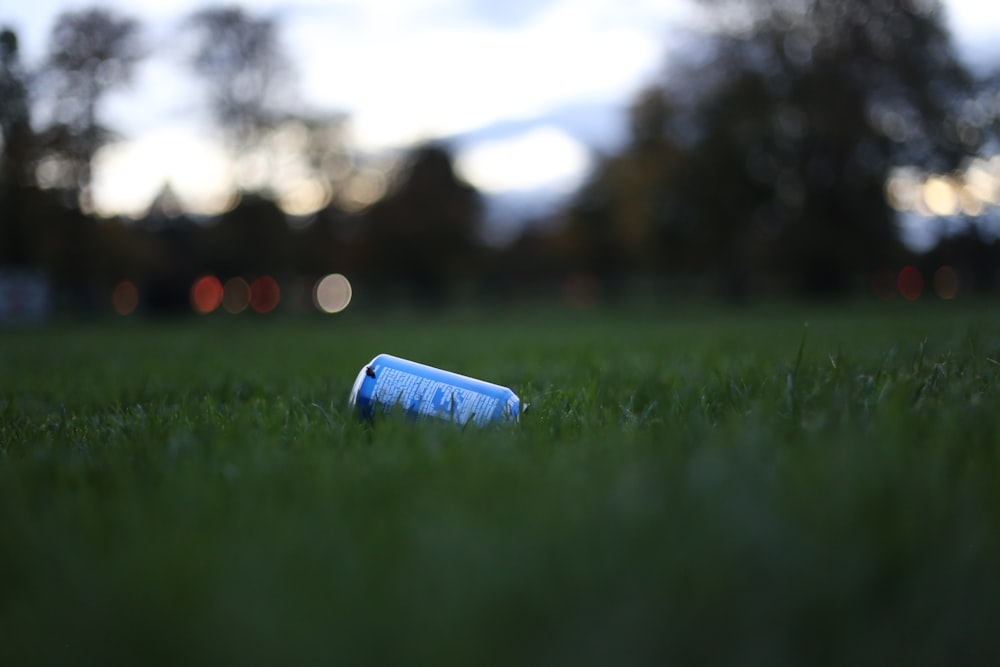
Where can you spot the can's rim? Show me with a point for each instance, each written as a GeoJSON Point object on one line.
{"type": "Point", "coordinates": [358, 381]}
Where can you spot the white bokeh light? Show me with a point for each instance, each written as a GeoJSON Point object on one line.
{"type": "Point", "coordinates": [332, 293]}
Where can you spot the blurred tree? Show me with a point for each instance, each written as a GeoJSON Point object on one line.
{"type": "Point", "coordinates": [289, 162]}
{"type": "Point", "coordinates": [324, 145]}
{"type": "Point", "coordinates": [304, 154]}
{"type": "Point", "coordinates": [246, 74]}
{"type": "Point", "coordinates": [90, 53]}
{"type": "Point", "coordinates": [251, 239]}
{"type": "Point", "coordinates": [772, 150]}
{"type": "Point", "coordinates": [423, 230]}
{"type": "Point", "coordinates": [16, 135]}
{"type": "Point", "coordinates": [619, 209]}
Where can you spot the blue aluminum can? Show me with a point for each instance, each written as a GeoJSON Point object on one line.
{"type": "Point", "coordinates": [424, 391]}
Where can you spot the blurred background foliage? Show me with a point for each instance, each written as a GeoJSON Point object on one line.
{"type": "Point", "coordinates": [767, 160]}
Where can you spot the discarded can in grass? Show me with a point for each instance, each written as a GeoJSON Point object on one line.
{"type": "Point", "coordinates": [424, 391]}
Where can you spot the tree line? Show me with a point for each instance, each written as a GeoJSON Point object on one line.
{"type": "Point", "coordinates": [756, 163]}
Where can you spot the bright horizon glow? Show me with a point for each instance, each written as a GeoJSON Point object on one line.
{"type": "Point", "coordinates": [403, 71]}
{"type": "Point", "coordinates": [928, 204]}
{"type": "Point", "coordinates": [970, 191]}
{"type": "Point", "coordinates": [418, 70]}
{"type": "Point", "coordinates": [129, 175]}
{"type": "Point", "coordinates": [541, 157]}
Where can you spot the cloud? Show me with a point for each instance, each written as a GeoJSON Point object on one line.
{"type": "Point", "coordinates": [402, 83]}
{"type": "Point", "coordinates": [506, 14]}
{"type": "Point", "coordinates": [977, 24]}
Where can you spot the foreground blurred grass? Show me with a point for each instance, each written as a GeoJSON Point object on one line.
{"type": "Point", "coordinates": [705, 487]}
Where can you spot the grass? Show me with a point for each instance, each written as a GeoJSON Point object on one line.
{"type": "Point", "coordinates": [699, 486]}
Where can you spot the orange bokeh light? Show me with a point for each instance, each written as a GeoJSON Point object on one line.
{"type": "Point", "coordinates": [910, 283]}
{"type": "Point", "coordinates": [236, 295]}
{"type": "Point", "coordinates": [125, 297]}
{"type": "Point", "coordinates": [206, 294]}
{"type": "Point", "coordinates": [946, 283]}
{"type": "Point", "coordinates": [264, 294]}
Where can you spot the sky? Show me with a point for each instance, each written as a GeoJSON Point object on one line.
{"type": "Point", "coordinates": [526, 89]}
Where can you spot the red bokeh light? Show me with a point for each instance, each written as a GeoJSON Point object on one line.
{"type": "Point", "coordinates": [910, 283]}
{"type": "Point", "coordinates": [206, 294]}
{"type": "Point", "coordinates": [125, 297]}
{"type": "Point", "coordinates": [264, 294]}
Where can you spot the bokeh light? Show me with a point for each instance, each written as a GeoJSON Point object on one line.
{"type": "Point", "coordinates": [236, 295]}
{"type": "Point", "coordinates": [983, 180]}
{"type": "Point", "coordinates": [206, 294]}
{"type": "Point", "coordinates": [903, 190]}
{"type": "Point", "coordinates": [363, 189]}
{"type": "Point", "coordinates": [910, 283]}
{"type": "Point", "coordinates": [125, 297]}
{"type": "Point", "coordinates": [946, 283]}
{"type": "Point", "coordinates": [264, 294]}
{"type": "Point", "coordinates": [971, 191]}
{"type": "Point", "coordinates": [332, 293]}
{"type": "Point", "coordinates": [304, 197]}
{"type": "Point", "coordinates": [941, 196]}
{"type": "Point", "coordinates": [970, 204]}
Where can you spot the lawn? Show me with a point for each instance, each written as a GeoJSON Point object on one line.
{"type": "Point", "coordinates": [765, 485]}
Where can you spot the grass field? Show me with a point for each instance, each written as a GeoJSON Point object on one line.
{"type": "Point", "coordinates": [699, 486]}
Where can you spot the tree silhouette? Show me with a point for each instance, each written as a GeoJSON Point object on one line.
{"type": "Point", "coordinates": [620, 212]}
{"type": "Point", "coordinates": [423, 230]}
{"type": "Point", "coordinates": [251, 239]}
{"type": "Point", "coordinates": [239, 57]}
{"type": "Point", "coordinates": [90, 53]}
{"type": "Point", "coordinates": [775, 146]}
{"type": "Point", "coordinates": [17, 137]}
